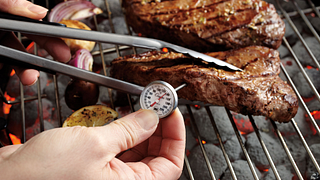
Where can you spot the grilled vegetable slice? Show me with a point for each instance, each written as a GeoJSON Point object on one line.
{"type": "Point", "coordinates": [91, 116]}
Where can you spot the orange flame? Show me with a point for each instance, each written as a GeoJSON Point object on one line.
{"type": "Point", "coordinates": [6, 107]}
{"type": "Point", "coordinates": [14, 139]}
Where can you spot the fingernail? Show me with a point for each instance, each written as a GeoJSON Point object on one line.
{"type": "Point", "coordinates": [37, 9]}
{"type": "Point", "coordinates": [147, 119]}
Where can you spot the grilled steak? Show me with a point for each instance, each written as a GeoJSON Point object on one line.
{"type": "Point", "coordinates": [257, 90]}
{"type": "Point", "coordinates": [207, 26]}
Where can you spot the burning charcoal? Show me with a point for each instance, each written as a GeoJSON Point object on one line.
{"type": "Point", "coordinates": [283, 51]}
{"type": "Point", "coordinates": [205, 127]}
{"type": "Point", "coordinates": [313, 105]}
{"type": "Point", "coordinates": [257, 154]}
{"type": "Point", "coordinates": [290, 66]}
{"type": "Point", "coordinates": [65, 111]}
{"type": "Point", "coordinates": [290, 33]}
{"type": "Point", "coordinates": [310, 167]}
{"type": "Point", "coordinates": [303, 55]}
{"type": "Point", "coordinates": [50, 91]}
{"type": "Point", "coordinates": [303, 86]}
{"type": "Point", "coordinates": [297, 151]}
{"type": "Point", "coordinates": [63, 79]}
{"type": "Point", "coordinates": [35, 129]}
{"type": "Point", "coordinates": [244, 125]}
{"type": "Point", "coordinates": [191, 139]}
{"type": "Point", "coordinates": [287, 129]}
{"type": "Point", "coordinates": [198, 164]}
{"type": "Point", "coordinates": [31, 115]}
{"type": "Point", "coordinates": [242, 170]}
{"type": "Point", "coordinates": [315, 22]}
{"type": "Point", "coordinates": [15, 117]}
{"type": "Point", "coordinates": [284, 173]}
{"type": "Point", "coordinates": [13, 86]}
{"type": "Point", "coordinates": [233, 148]}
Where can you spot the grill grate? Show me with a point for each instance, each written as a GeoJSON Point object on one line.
{"type": "Point", "coordinates": [188, 170]}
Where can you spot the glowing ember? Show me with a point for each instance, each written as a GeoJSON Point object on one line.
{"type": "Point", "coordinates": [165, 50]}
{"type": "Point", "coordinates": [203, 142]}
{"type": "Point", "coordinates": [12, 72]}
{"type": "Point", "coordinates": [6, 107]}
{"type": "Point", "coordinates": [316, 114]}
{"type": "Point", "coordinates": [14, 139]}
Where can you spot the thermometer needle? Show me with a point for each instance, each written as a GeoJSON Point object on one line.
{"type": "Point", "coordinates": [157, 100]}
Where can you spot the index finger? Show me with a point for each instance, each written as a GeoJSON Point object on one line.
{"type": "Point", "coordinates": [23, 8]}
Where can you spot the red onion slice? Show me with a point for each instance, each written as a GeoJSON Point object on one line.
{"type": "Point", "coordinates": [82, 59]}
{"type": "Point", "coordinates": [73, 9]}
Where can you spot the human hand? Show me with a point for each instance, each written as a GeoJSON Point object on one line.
{"type": "Point", "coordinates": [149, 151]}
{"type": "Point", "coordinates": [54, 46]}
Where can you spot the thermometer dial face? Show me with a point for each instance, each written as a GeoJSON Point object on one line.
{"type": "Point", "coordinates": [160, 97]}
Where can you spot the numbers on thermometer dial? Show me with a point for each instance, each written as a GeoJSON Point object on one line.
{"type": "Point", "coordinates": [160, 97]}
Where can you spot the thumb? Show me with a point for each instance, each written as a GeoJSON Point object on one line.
{"type": "Point", "coordinates": [130, 130]}
{"type": "Point", "coordinates": [23, 8]}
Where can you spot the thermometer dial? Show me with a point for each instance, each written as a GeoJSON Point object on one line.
{"type": "Point", "coordinates": [160, 97]}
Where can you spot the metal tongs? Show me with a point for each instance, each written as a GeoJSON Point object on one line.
{"type": "Point", "coordinates": [25, 25]}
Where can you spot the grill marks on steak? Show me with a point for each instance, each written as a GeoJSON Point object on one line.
{"type": "Point", "coordinates": [213, 25]}
{"type": "Point", "coordinates": [257, 90]}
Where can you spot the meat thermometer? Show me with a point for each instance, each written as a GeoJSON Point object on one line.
{"type": "Point", "coordinates": [160, 97]}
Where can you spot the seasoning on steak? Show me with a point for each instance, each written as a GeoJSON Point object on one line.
{"type": "Point", "coordinates": [207, 26]}
{"type": "Point", "coordinates": [257, 90]}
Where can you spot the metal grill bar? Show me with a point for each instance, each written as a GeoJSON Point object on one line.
{"type": "Point", "coordinates": [194, 125]}
{"type": "Point", "coordinates": [251, 165]}
{"type": "Point", "coordinates": [285, 147]}
{"type": "Point", "coordinates": [264, 147]}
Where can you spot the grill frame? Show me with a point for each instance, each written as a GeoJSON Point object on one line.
{"type": "Point", "coordinates": [117, 49]}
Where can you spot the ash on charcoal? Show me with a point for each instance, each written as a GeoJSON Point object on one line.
{"type": "Point", "coordinates": [114, 6]}
{"type": "Point", "coordinates": [233, 148]}
{"type": "Point", "coordinates": [283, 172]}
{"type": "Point", "coordinates": [242, 170]}
{"type": "Point", "coordinates": [257, 154]}
{"type": "Point", "coordinates": [64, 110]}
{"type": "Point", "coordinates": [302, 53]}
{"type": "Point", "coordinates": [298, 153]}
{"type": "Point", "coordinates": [287, 129]}
{"type": "Point", "coordinates": [198, 164]}
{"type": "Point", "coordinates": [50, 91]}
{"type": "Point", "coordinates": [315, 22]}
{"type": "Point", "coordinates": [63, 79]}
{"type": "Point", "coordinates": [205, 126]}
{"type": "Point", "coordinates": [283, 51]}
{"type": "Point", "coordinates": [13, 86]}
{"type": "Point", "coordinates": [313, 105]}
{"type": "Point", "coordinates": [303, 86]}
{"type": "Point", "coordinates": [290, 66]}
{"type": "Point", "coordinates": [310, 166]}
{"type": "Point", "coordinates": [191, 141]}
